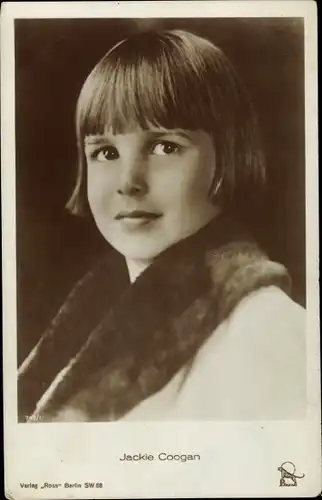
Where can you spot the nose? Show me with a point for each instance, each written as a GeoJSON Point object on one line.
{"type": "Point", "coordinates": [132, 180]}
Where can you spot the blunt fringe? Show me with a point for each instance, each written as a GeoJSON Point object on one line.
{"type": "Point", "coordinates": [172, 79]}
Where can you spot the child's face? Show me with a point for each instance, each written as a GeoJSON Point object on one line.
{"type": "Point", "coordinates": [148, 189]}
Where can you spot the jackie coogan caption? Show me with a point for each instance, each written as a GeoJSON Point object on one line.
{"type": "Point", "coordinates": [163, 457]}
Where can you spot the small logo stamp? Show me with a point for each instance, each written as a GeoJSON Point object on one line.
{"type": "Point", "coordinates": [288, 474]}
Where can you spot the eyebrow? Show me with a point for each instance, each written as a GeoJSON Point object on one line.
{"type": "Point", "coordinates": [100, 138]}
{"type": "Point", "coordinates": [95, 139]}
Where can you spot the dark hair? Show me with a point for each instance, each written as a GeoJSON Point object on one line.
{"type": "Point", "coordinates": [173, 79]}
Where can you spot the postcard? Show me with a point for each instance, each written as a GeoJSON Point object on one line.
{"type": "Point", "coordinates": [160, 249]}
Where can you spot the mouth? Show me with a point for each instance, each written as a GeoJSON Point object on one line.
{"type": "Point", "coordinates": [137, 215]}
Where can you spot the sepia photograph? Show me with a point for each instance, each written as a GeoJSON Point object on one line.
{"type": "Point", "coordinates": [175, 256]}
{"type": "Point", "coordinates": [160, 249]}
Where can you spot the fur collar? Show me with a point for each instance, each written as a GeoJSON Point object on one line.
{"type": "Point", "coordinates": [111, 346]}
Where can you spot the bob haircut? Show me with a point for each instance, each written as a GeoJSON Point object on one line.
{"type": "Point", "coordinates": [172, 79]}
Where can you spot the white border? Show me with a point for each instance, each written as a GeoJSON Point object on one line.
{"type": "Point", "coordinates": [158, 9]}
{"type": "Point", "coordinates": [252, 451]}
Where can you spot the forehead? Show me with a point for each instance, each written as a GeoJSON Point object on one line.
{"type": "Point", "coordinates": [140, 134]}
{"type": "Point", "coordinates": [137, 132]}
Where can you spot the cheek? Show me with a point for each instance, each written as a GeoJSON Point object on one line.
{"type": "Point", "coordinates": [100, 185]}
{"type": "Point", "coordinates": [189, 183]}
{"type": "Point", "coordinates": [201, 176]}
{"type": "Point", "coordinates": [100, 194]}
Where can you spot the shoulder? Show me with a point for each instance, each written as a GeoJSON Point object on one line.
{"type": "Point", "coordinates": [253, 365]}
{"type": "Point", "coordinates": [268, 316]}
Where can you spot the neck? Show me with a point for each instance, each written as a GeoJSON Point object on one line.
{"type": "Point", "coordinates": [136, 267]}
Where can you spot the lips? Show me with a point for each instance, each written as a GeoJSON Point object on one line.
{"type": "Point", "coordinates": [137, 214]}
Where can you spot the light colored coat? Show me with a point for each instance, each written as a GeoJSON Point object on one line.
{"type": "Point", "coordinates": [253, 366]}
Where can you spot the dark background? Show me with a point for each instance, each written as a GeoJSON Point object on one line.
{"type": "Point", "coordinates": [53, 57]}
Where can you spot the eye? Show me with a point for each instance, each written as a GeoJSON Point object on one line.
{"type": "Point", "coordinates": [165, 148]}
{"type": "Point", "coordinates": [106, 153]}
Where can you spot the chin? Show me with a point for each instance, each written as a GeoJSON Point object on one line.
{"type": "Point", "coordinates": [139, 254]}
{"type": "Point", "coordinates": [140, 251]}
